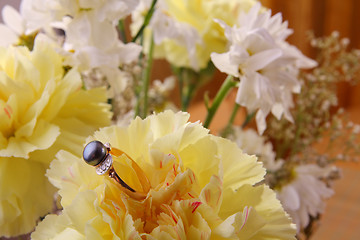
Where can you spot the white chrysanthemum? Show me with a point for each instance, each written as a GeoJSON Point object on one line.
{"type": "Point", "coordinates": [96, 46]}
{"type": "Point", "coordinates": [266, 65]}
{"type": "Point", "coordinates": [91, 40]}
{"type": "Point", "coordinates": [95, 43]}
{"type": "Point", "coordinates": [257, 18]}
{"type": "Point", "coordinates": [42, 14]}
{"type": "Point", "coordinates": [305, 195]}
{"type": "Point", "coordinates": [89, 29]}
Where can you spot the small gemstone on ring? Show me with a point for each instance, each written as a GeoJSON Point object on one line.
{"type": "Point", "coordinates": [104, 166]}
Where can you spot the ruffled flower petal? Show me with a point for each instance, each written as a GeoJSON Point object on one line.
{"type": "Point", "coordinates": [25, 195]}
{"type": "Point", "coordinates": [195, 186]}
{"type": "Point", "coordinates": [272, 220]}
{"type": "Point", "coordinates": [42, 110]}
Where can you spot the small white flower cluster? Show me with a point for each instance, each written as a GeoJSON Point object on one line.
{"type": "Point", "coordinates": [89, 37]}
{"type": "Point", "coordinates": [265, 63]}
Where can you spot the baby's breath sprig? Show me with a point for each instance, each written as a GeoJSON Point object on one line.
{"type": "Point", "coordinates": [313, 114]}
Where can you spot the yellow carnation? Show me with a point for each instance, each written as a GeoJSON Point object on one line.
{"type": "Point", "coordinates": [200, 15]}
{"type": "Point", "coordinates": [42, 110]}
{"type": "Point", "coordinates": [199, 187]}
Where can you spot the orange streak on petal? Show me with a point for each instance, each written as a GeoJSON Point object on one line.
{"type": "Point", "coordinates": [7, 111]}
{"type": "Point", "coordinates": [195, 205]}
{"type": "Point", "coordinates": [246, 217]}
{"type": "Point", "coordinates": [65, 179]}
{"type": "Point", "coordinates": [207, 195]}
{"type": "Point", "coordinates": [70, 172]}
{"type": "Point", "coordinates": [220, 180]}
{"type": "Point", "coordinates": [219, 195]}
{"type": "Point", "coordinates": [10, 109]}
{"type": "Point", "coordinates": [171, 212]}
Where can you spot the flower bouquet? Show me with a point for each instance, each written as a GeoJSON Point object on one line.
{"type": "Point", "coordinates": [76, 85]}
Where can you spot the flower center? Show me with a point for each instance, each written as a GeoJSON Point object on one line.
{"type": "Point", "coordinates": [173, 185]}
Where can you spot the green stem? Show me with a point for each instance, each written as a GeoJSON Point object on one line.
{"type": "Point", "coordinates": [233, 114]}
{"type": "Point", "coordinates": [139, 87]}
{"type": "Point", "coordinates": [187, 88]}
{"type": "Point", "coordinates": [227, 129]}
{"type": "Point", "coordinates": [190, 90]}
{"type": "Point", "coordinates": [137, 108]}
{"type": "Point", "coordinates": [146, 76]}
{"type": "Point", "coordinates": [227, 85]}
{"type": "Point", "coordinates": [121, 27]}
{"type": "Point", "coordinates": [146, 20]}
{"type": "Point", "coordinates": [248, 119]}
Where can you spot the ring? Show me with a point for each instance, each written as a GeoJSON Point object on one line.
{"type": "Point", "coordinates": [99, 155]}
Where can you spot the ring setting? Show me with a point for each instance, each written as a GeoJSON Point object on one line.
{"type": "Point", "coordinates": [105, 166]}
{"type": "Point", "coordinates": [99, 155]}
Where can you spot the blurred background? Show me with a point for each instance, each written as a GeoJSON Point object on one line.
{"type": "Point", "coordinates": [342, 216]}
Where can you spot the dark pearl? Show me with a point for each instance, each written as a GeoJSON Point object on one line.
{"type": "Point", "coordinates": [94, 153]}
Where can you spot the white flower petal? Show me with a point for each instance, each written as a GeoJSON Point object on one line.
{"type": "Point", "coordinates": [129, 52]}
{"type": "Point", "coordinates": [291, 198]}
{"type": "Point", "coordinates": [260, 60]}
{"type": "Point", "coordinates": [223, 63]}
{"type": "Point", "coordinates": [277, 110]}
{"type": "Point", "coordinates": [13, 19]}
{"type": "Point", "coordinates": [8, 37]}
{"type": "Point", "coordinates": [245, 94]}
{"type": "Point", "coordinates": [260, 121]}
